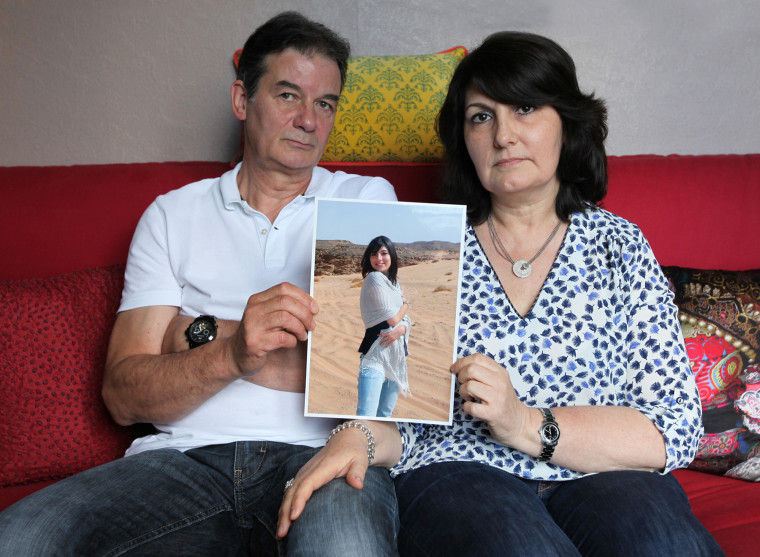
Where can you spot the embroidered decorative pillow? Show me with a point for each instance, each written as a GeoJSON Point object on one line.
{"type": "Point", "coordinates": [719, 314]}
{"type": "Point", "coordinates": [388, 108]}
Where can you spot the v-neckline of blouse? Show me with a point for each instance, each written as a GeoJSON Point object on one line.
{"type": "Point", "coordinates": [493, 272]}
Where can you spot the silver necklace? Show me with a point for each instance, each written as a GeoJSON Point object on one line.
{"type": "Point", "coordinates": [520, 268]}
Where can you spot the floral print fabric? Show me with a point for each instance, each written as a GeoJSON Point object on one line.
{"type": "Point", "coordinates": [602, 331]}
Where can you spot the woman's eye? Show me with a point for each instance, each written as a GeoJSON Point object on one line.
{"type": "Point", "coordinates": [525, 109]}
{"type": "Point", "coordinates": [480, 117]}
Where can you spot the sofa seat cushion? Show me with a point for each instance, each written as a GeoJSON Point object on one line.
{"type": "Point", "coordinates": [727, 507]}
{"type": "Point", "coordinates": [53, 422]}
{"type": "Point", "coordinates": [9, 495]}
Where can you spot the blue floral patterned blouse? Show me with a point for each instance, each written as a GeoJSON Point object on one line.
{"type": "Point", "coordinates": [602, 331]}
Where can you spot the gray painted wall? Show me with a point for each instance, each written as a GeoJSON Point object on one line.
{"type": "Point", "coordinates": [105, 81]}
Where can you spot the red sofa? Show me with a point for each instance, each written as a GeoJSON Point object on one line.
{"type": "Point", "coordinates": [65, 235]}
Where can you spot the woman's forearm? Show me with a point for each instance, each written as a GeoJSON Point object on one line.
{"type": "Point", "coordinates": [388, 445]}
{"type": "Point", "coordinates": [396, 319]}
{"type": "Point", "coordinates": [601, 438]}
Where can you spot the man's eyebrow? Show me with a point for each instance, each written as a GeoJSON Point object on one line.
{"type": "Point", "coordinates": [285, 84]}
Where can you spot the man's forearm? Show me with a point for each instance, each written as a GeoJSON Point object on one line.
{"type": "Point", "coordinates": [284, 370]}
{"type": "Point", "coordinates": [164, 388]}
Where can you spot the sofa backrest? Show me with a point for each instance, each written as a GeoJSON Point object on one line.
{"type": "Point", "coordinates": [698, 211]}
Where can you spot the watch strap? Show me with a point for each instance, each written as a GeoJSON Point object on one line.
{"type": "Point", "coordinates": [548, 447]}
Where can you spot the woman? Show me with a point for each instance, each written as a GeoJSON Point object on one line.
{"type": "Point", "coordinates": [382, 368]}
{"type": "Point", "coordinates": [575, 394]}
{"type": "Point", "coordinates": [575, 397]}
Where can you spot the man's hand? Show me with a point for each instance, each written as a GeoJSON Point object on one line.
{"type": "Point", "coordinates": [281, 369]}
{"type": "Point", "coordinates": [151, 376]}
{"type": "Point", "coordinates": [276, 318]}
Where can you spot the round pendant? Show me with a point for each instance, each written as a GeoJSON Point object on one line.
{"type": "Point", "coordinates": [521, 268]}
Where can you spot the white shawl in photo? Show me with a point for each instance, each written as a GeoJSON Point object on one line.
{"type": "Point", "coordinates": [379, 301]}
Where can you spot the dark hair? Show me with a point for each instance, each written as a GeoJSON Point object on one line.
{"type": "Point", "coordinates": [373, 247]}
{"type": "Point", "coordinates": [289, 30]}
{"type": "Point", "coordinates": [518, 69]}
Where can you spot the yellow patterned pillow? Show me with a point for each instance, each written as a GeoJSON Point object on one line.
{"type": "Point", "coordinates": [388, 108]}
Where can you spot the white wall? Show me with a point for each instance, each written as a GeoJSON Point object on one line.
{"type": "Point", "coordinates": [103, 81]}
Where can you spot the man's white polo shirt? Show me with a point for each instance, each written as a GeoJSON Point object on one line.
{"type": "Point", "coordinates": [203, 249]}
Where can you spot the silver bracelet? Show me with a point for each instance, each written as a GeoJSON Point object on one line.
{"type": "Point", "coordinates": [367, 432]}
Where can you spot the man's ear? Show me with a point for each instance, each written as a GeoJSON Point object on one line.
{"type": "Point", "coordinates": [239, 99]}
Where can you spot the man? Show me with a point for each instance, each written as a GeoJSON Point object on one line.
{"type": "Point", "coordinates": [226, 394]}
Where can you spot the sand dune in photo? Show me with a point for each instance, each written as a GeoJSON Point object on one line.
{"type": "Point", "coordinates": [431, 288]}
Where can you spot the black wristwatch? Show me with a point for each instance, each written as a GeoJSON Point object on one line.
{"type": "Point", "coordinates": [549, 433]}
{"type": "Point", "coordinates": [201, 330]}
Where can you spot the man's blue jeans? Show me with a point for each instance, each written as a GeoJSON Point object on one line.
{"type": "Point", "coordinates": [377, 395]}
{"type": "Point", "coordinates": [218, 500]}
{"type": "Point", "coordinates": [467, 508]}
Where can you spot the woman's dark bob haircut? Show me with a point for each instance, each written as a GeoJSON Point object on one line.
{"type": "Point", "coordinates": [520, 69]}
{"type": "Point", "coordinates": [373, 247]}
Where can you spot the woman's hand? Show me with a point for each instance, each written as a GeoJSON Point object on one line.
{"type": "Point", "coordinates": [489, 395]}
{"type": "Point", "coordinates": [344, 456]}
{"type": "Point", "coordinates": [386, 339]}
{"type": "Point", "coordinates": [594, 438]}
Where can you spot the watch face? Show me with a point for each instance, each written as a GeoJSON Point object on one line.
{"type": "Point", "coordinates": [550, 433]}
{"type": "Point", "coordinates": [201, 332]}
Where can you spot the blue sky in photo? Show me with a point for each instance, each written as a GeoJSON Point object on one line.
{"type": "Point", "coordinates": [361, 221]}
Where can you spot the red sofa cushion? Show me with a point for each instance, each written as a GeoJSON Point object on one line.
{"type": "Point", "coordinates": [9, 495]}
{"type": "Point", "coordinates": [727, 507]}
{"type": "Point", "coordinates": [53, 422]}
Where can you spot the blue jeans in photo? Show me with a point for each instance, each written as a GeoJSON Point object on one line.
{"type": "Point", "coordinates": [471, 509]}
{"type": "Point", "coordinates": [213, 501]}
{"type": "Point", "coordinates": [377, 395]}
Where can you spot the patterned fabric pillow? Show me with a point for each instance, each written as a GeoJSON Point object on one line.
{"type": "Point", "coordinates": [388, 108]}
{"type": "Point", "coordinates": [53, 422]}
{"type": "Point", "coordinates": [720, 313]}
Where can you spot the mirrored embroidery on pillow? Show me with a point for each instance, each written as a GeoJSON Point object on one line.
{"type": "Point", "coordinates": [719, 314]}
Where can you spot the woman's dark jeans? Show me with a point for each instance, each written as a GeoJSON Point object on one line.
{"type": "Point", "coordinates": [466, 508]}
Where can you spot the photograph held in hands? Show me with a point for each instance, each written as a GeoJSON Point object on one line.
{"type": "Point", "coordinates": [386, 277]}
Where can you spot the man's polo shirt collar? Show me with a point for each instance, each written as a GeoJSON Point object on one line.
{"type": "Point", "coordinates": [274, 238]}
{"type": "Point", "coordinates": [231, 193]}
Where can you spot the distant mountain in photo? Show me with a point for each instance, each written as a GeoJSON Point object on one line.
{"type": "Point", "coordinates": [341, 257]}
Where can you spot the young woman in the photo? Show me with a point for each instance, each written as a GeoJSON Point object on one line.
{"type": "Point", "coordinates": [382, 368]}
